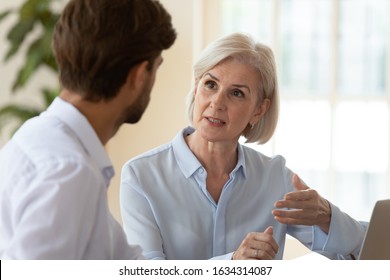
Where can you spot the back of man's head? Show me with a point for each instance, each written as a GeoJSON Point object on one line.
{"type": "Point", "coordinates": [97, 42]}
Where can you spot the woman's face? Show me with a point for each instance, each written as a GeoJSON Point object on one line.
{"type": "Point", "coordinates": [226, 101]}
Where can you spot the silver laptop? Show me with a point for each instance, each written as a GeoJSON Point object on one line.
{"type": "Point", "coordinates": [376, 244]}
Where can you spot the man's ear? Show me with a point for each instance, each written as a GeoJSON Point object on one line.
{"type": "Point", "coordinates": [138, 75]}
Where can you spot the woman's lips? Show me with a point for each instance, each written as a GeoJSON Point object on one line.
{"type": "Point", "coordinates": [215, 121]}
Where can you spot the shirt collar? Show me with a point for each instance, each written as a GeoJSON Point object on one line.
{"type": "Point", "coordinates": [187, 161]}
{"type": "Point", "coordinates": [87, 136]}
{"type": "Point", "coordinates": [241, 164]}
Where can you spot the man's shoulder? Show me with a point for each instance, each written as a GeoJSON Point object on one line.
{"type": "Point", "coordinates": [42, 137]}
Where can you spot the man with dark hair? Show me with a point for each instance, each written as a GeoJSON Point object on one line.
{"type": "Point", "coordinates": [54, 171]}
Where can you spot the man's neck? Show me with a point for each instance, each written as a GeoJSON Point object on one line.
{"type": "Point", "coordinates": [98, 114]}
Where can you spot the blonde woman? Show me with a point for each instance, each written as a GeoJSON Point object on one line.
{"type": "Point", "coordinates": [204, 195]}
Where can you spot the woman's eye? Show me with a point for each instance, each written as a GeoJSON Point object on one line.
{"type": "Point", "coordinates": [238, 93]}
{"type": "Point", "coordinates": [211, 85]}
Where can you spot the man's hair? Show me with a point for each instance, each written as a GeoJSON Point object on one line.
{"type": "Point", "coordinates": [243, 48]}
{"type": "Point", "coordinates": [97, 42]}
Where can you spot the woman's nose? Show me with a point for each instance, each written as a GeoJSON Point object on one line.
{"type": "Point", "coordinates": [218, 101]}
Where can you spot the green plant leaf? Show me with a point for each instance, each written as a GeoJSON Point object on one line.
{"type": "Point", "coordinates": [17, 35]}
{"type": "Point", "coordinates": [30, 14]}
{"type": "Point", "coordinates": [48, 56]}
{"type": "Point", "coordinates": [34, 58]}
{"type": "Point", "coordinates": [49, 94]}
{"type": "Point", "coordinates": [4, 14]}
{"type": "Point", "coordinates": [31, 8]}
{"type": "Point", "coordinates": [21, 113]}
{"type": "Point", "coordinates": [48, 19]}
{"type": "Point", "coordinates": [50, 62]}
{"type": "Point", "coordinates": [18, 113]}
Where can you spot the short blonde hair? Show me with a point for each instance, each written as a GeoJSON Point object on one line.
{"type": "Point", "coordinates": [243, 48]}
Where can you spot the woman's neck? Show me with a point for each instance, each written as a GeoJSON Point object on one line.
{"type": "Point", "coordinates": [216, 157]}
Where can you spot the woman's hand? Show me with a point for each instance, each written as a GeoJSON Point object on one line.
{"type": "Point", "coordinates": [257, 246]}
{"type": "Point", "coordinates": [306, 207]}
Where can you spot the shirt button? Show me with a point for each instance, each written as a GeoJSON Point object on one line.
{"type": "Point", "coordinates": [201, 171]}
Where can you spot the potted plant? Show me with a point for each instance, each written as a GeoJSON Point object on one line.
{"type": "Point", "coordinates": [36, 18]}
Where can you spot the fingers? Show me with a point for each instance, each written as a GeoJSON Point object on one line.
{"type": "Point", "coordinates": [298, 183]}
{"type": "Point", "coordinates": [269, 239]}
{"type": "Point", "coordinates": [263, 241]}
{"type": "Point", "coordinates": [293, 217]}
{"type": "Point", "coordinates": [258, 245]}
{"type": "Point", "coordinates": [303, 207]}
{"type": "Point", "coordinates": [298, 200]}
{"type": "Point", "coordinates": [301, 188]}
{"type": "Point", "coordinates": [301, 204]}
{"type": "Point", "coordinates": [302, 194]}
{"type": "Point", "coordinates": [302, 211]}
{"type": "Point", "coordinates": [269, 230]}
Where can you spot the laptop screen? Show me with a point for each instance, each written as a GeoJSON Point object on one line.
{"type": "Point", "coordinates": [376, 244]}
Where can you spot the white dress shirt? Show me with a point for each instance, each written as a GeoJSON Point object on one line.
{"type": "Point", "coordinates": [53, 192]}
{"type": "Point", "coordinates": [167, 209]}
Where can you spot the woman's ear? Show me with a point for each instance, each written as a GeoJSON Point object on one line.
{"type": "Point", "coordinates": [260, 111]}
{"type": "Point", "coordinates": [196, 87]}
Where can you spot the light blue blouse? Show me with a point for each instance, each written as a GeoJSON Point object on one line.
{"type": "Point", "coordinates": [168, 211]}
